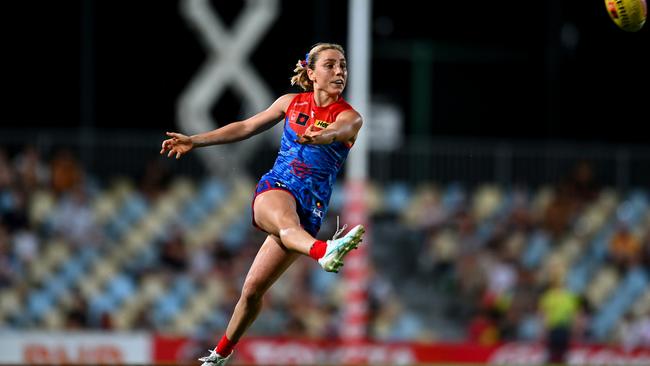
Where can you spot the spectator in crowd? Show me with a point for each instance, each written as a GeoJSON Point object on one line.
{"type": "Point", "coordinates": [644, 255]}
{"type": "Point", "coordinates": [31, 171]}
{"type": "Point", "coordinates": [173, 255]}
{"type": "Point", "coordinates": [624, 248]}
{"type": "Point", "coordinates": [559, 308]}
{"type": "Point", "coordinates": [7, 178]}
{"type": "Point", "coordinates": [8, 271]}
{"type": "Point", "coordinates": [560, 211]}
{"type": "Point", "coordinates": [76, 221]}
{"type": "Point", "coordinates": [483, 328]}
{"type": "Point", "coordinates": [66, 172]}
{"type": "Point", "coordinates": [154, 180]}
{"type": "Point", "coordinates": [15, 216]}
{"type": "Point", "coordinates": [76, 315]}
{"type": "Point", "coordinates": [582, 184]}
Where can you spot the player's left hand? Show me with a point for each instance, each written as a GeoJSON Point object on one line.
{"type": "Point", "coordinates": [177, 145]}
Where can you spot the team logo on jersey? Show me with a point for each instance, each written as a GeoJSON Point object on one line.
{"type": "Point", "coordinates": [299, 169]}
{"type": "Point", "coordinates": [302, 119]}
{"type": "Point", "coordinates": [321, 124]}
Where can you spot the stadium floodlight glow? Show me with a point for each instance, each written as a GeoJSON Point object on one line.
{"type": "Point", "coordinates": [227, 65]}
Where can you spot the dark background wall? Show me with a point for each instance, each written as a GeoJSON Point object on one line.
{"type": "Point", "coordinates": [518, 70]}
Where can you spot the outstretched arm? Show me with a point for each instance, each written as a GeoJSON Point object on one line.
{"type": "Point", "coordinates": [180, 144]}
{"type": "Point", "coordinates": [344, 129]}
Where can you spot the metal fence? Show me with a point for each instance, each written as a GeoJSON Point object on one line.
{"type": "Point", "coordinates": [112, 153]}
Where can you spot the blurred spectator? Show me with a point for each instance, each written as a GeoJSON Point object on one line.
{"type": "Point", "coordinates": [173, 255]}
{"type": "Point", "coordinates": [571, 196]}
{"type": "Point", "coordinates": [560, 211]}
{"type": "Point", "coordinates": [7, 179]}
{"type": "Point", "coordinates": [559, 308]}
{"type": "Point", "coordinates": [395, 323]}
{"type": "Point", "coordinates": [66, 173]}
{"type": "Point", "coordinates": [521, 216]}
{"type": "Point", "coordinates": [468, 238]}
{"type": "Point", "coordinates": [641, 330]}
{"type": "Point", "coordinates": [582, 184]}
{"type": "Point", "coordinates": [7, 262]}
{"type": "Point", "coordinates": [645, 249]}
{"type": "Point", "coordinates": [624, 248]}
{"type": "Point", "coordinates": [440, 252]}
{"type": "Point", "coordinates": [582, 322]}
{"type": "Point", "coordinates": [76, 221]}
{"type": "Point", "coordinates": [155, 179]}
{"type": "Point", "coordinates": [31, 171]}
{"type": "Point", "coordinates": [76, 315]}
{"type": "Point", "coordinates": [106, 321]}
{"type": "Point", "coordinates": [142, 320]}
{"type": "Point", "coordinates": [483, 328]}
{"type": "Point", "coordinates": [501, 275]}
{"type": "Point", "coordinates": [25, 244]}
{"type": "Point", "coordinates": [470, 283]}
{"type": "Point", "coordinates": [295, 325]}
{"type": "Point", "coordinates": [425, 210]}
{"type": "Point", "coordinates": [331, 317]}
{"type": "Point", "coordinates": [15, 217]}
{"type": "Point", "coordinates": [222, 257]}
{"type": "Point", "coordinates": [525, 323]}
{"type": "Point", "coordinates": [201, 261]}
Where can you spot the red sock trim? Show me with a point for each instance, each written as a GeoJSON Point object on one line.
{"type": "Point", "coordinates": [225, 346]}
{"type": "Point", "coordinates": [317, 250]}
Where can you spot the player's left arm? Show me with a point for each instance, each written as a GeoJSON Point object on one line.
{"type": "Point", "coordinates": [344, 129]}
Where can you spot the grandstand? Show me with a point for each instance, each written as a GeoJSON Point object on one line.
{"type": "Point", "coordinates": [167, 256]}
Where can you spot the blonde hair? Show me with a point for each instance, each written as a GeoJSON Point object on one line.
{"type": "Point", "coordinates": [301, 78]}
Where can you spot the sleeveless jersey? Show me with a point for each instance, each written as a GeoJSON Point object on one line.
{"type": "Point", "coordinates": [308, 172]}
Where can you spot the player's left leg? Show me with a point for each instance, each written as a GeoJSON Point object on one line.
{"type": "Point", "coordinates": [270, 262]}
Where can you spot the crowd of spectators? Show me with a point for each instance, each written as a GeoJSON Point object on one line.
{"type": "Point", "coordinates": [478, 250]}
{"type": "Point", "coordinates": [31, 183]}
{"type": "Point", "coordinates": [473, 249]}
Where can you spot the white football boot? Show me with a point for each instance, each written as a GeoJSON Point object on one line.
{"type": "Point", "coordinates": [337, 248]}
{"type": "Point", "coordinates": [214, 359]}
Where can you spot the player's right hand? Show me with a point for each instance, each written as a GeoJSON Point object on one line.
{"type": "Point", "coordinates": [178, 145]}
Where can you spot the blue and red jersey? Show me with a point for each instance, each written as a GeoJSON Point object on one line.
{"type": "Point", "coordinates": [308, 172]}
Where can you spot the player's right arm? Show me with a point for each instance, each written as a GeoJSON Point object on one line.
{"type": "Point", "coordinates": [179, 144]}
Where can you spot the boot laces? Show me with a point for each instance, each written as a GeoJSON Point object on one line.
{"type": "Point", "coordinates": [339, 231]}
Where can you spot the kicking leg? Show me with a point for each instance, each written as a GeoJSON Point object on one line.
{"type": "Point", "coordinates": [275, 212]}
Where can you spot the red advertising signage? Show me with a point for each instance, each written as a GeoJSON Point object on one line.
{"type": "Point", "coordinates": [277, 351]}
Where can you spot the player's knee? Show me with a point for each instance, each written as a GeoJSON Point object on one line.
{"type": "Point", "coordinates": [280, 226]}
